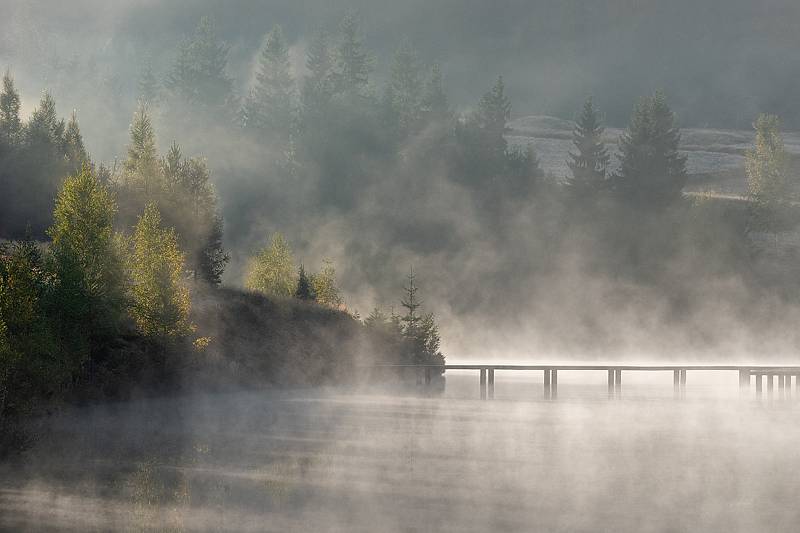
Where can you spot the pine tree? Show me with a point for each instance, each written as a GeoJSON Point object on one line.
{"type": "Point", "coordinates": [141, 171]}
{"type": "Point", "coordinates": [404, 90]}
{"type": "Point", "coordinates": [353, 64]}
{"type": "Point", "coordinates": [10, 122]}
{"type": "Point", "coordinates": [318, 85]}
{"type": "Point", "coordinates": [304, 290]}
{"type": "Point", "coordinates": [271, 105]}
{"type": "Point", "coordinates": [766, 167]}
{"type": "Point", "coordinates": [324, 284]}
{"type": "Point", "coordinates": [272, 270]}
{"type": "Point", "coordinates": [212, 257]}
{"type": "Point", "coordinates": [412, 304]}
{"type": "Point", "coordinates": [494, 111]}
{"type": "Point", "coordinates": [44, 131]}
{"type": "Point", "coordinates": [199, 72]}
{"type": "Point", "coordinates": [652, 171]}
{"type": "Point", "coordinates": [588, 165]}
{"type": "Point", "coordinates": [149, 88]}
{"type": "Point", "coordinates": [74, 149]}
{"type": "Point", "coordinates": [434, 100]}
{"type": "Point", "coordinates": [160, 300]}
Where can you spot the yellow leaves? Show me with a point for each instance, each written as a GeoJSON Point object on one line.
{"type": "Point", "coordinates": [201, 343]}
{"type": "Point", "coordinates": [272, 270]}
{"type": "Point", "coordinates": [161, 300]}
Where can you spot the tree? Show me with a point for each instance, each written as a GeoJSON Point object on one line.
{"type": "Point", "coordinates": [140, 169]}
{"type": "Point", "coordinates": [74, 150]}
{"type": "Point", "coordinates": [494, 110]}
{"type": "Point", "coordinates": [10, 122]}
{"type": "Point", "coordinates": [304, 290]}
{"type": "Point", "coordinates": [160, 300]}
{"type": "Point", "coordinates": [199, 75]}
{"type": "Point", "coordinates": [324, 284]}
{"type": "Point", "coordinates": [766, 167]}
{"type": "Point", "coordinates": [44, 131]}
{"type": "Point", "coordinates": [353, 64]}
{"type": "Point", "coordinates": [272, 271]}
{"type": "Point", "coordinates": [588, 165]}
{"type": "Point", "coordinates": [419, 331]}
{"type": "Point", "coordinates": [318, 85]}
{"type": "Point", "coordinates": [404, 90]}
{"type": "Point", "coordinates": [149, 88]}
{"type": "Point", "coordinates": [652, 171]}
{"type": "Point", "coordinates": [434, 100]}
{"type": "Point", "coordinates": [84, 241]}
{"type": "Point", "coordinates": [271, 106]}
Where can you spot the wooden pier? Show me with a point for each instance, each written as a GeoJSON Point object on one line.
{"type": "Point", "coordinates": [783, 375]}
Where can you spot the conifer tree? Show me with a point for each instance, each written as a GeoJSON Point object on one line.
{"type": "Point", "coordinates": [149, 87]}
{"type": "Point", "coordinates": [353, 63]}
{"type": "Point", "coordinates": [766, 168]}
{"type": "Point", "coordinates": [10, 122]}
{"type": "Point", "coordinates": [44, 131]}
{"type": "Point", "coordinates": [652, 171]}
{"type": "Point", "coordinates": [199, 73]}
{"type": "Point", "coordinates": [589, 163]}
{"type": "Point", "coordinates": [272, 271]}
{"type": "Point", "coordinates": [141, 171]}
{"type": "Point", "coordinates": [434, 100]}
{"type": "Point", "coordinates": [272, 102]}
{"type": "Point", "coordinates": [494, 110]}
{"type": "Point", "coordinates": [412, 304]}
{"type": "Point", "coordinates": [318, 85]}
{"type": "Point", "coordinates": [304, 289]}
{"type": "Point", "coordinates": [74, 150]}
{"type": "Point", "coordinates": [160, 300]}
{"type": "Point", "coordinates": [404, 91]}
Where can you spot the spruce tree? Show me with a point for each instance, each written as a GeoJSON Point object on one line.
{"type": "Point", "coordinates": [304, 290]}
{"type": "Point", "coordinates": [318, 85]}
{"type": "Point", "coordinates": [589, 163]}
{"type": "Point", "coordinates": [272, 102]}
{"type": "Point", "coordinates": [353, 64]}
{"type": "Point", "coordinates": [494, 111]}
{"type": "Point", "coordinates": [141, 169]}
{"type": "Point", "coordinates": [44, 131]}
{"type": "Point", "coordinates": [434, 100]}
{"type": "Point", "coordinates": [324, 284]}
{"type": "Point", "coordinates": [199, 73]}
{"type": "Point", "coordinates": [149, 87]}
{"type": "Point", "coordinates": [652, 171]}
{"type": "Point", "coordinates": [10, 122]}
{"type": "Point", "coordinates": [404, 90]}
{"type": "Point", "coordinates": [74, 150]}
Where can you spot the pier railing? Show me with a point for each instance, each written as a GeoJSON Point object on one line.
{"type": "Point", "coordinates": [783, 375]}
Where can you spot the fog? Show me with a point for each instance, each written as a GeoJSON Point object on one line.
{"type": "Point", "coordinates": [266, 416]}
{"type": "Point", "coordinates": [371, 461]}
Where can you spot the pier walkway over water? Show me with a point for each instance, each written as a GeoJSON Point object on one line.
{"type": "Point", "coordinates": [782, 374]}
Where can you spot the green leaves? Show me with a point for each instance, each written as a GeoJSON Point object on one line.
{"type": "Point", "coordinates": [272, 271]}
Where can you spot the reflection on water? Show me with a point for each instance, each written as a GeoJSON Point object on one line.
{"type": "Point", "coordinates": [330, 461]}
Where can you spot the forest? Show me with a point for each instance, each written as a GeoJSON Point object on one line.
{"type": "Point", "coordinates": [160, 271]}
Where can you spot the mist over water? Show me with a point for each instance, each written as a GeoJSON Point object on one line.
{"type": "Point", "coordinates": [329, 460]}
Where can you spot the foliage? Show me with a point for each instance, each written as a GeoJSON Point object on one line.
{"type": "Point", "coordinates": [353, 63]}
{"type": "Point", "coordinates": [766, 168]}
{"type": "Point", "coordinates": [324, 285]}
{"type": "Point", "coordinates": [588, 165]}
{"type": "Point", "coordinates": [271, 106]}
{"type": "Point", "coordinates": [652, 171]}
{"type": "Point", "coordinates": [272, 270]}
{"type": "Point", "coordinates": [304, 289]}
{"type": "Point", "coordinates": [160, 300]}
{"type": "Point", "coordinates": [10, 122]}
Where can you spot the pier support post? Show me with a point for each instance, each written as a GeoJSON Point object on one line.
{"type": "Point", "coordinates": [618, 382]}
{"type": "Point", "coordinates": [547, 384]}
{"type": "Point", "coordinates": [483, 383]}
{"type": "Point", "coordinates": [491, 383]}
{"type": "Point", "coordinates": [554, 384]}
{"type": "Point", "coordinates": [676, 383]}
{"type": "Point", "coordinates": [788, 391]}
{"type": "Point", "coordinates": [427, 376]}
{"type": "Point", "coordinates": [683, 383]}
{"type": "Point", "coordinates": [744, 381]}
{"type": "Point", "coordinates": [780, 386]}
{"type": "Point", "coordinates": [610, 384]}
{"type": "Point", "coordinates": [770, 385]}
{"type": "Point", "coordinates": [759, 386]}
